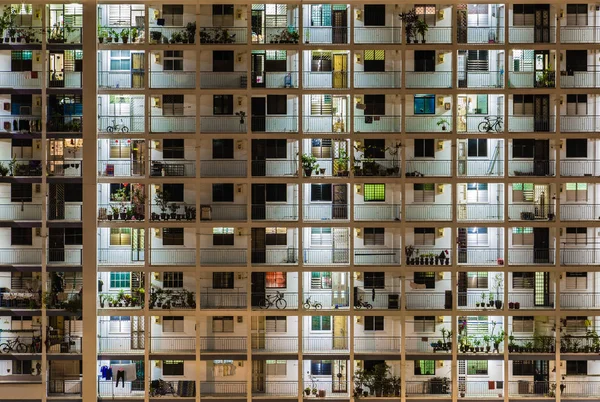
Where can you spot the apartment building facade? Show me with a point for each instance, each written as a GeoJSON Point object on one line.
{"type": "Point", "coordinates": [285, 201]}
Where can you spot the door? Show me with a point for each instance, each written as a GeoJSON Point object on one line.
{"type": "Point", "coordinates": [259, 209]}
{"type": "Point", "coordinates": [258, 244]}
{"type": "Point", "coordinates": [56, 207]}
{"type": "Point", "coordinates": [259, 329]}
{"type": "Point", "coordinates": [259, 112]}
{"type": "Point", "coordinates": [339, 376]}
{"type": "Point", "coordinates": [137, 158]}
{"type": "Point", "coordinates": [462, 245]}
{"type": "Point", "coordinates": [461, 23]}
{"type": "Point", "coordinates": [541, 64]}
{"type": "Point", "coordinates": [542, 23]}
{"type": "Point", "coordinates": [541, 158]}
{"type": "Point", "coordinates": [339, 22]}
{"type": "Point", "coordinates": [137, 70]}
{"type": "Point", "coordinates": [56, 70]}
{"type": "Point", "coordinates": [340, 74]}
{"type": "Point", "coordinates": [137, 244]}
{"type": "Point", "coordinates": [259, 167]}
{"type": "Point", "coordinates": [258, 70]}
{"type": "Point", "coordinates": [541, 107]}
{"type": "Point", "coordinates": [139, 383]}
{"type": "Point", "coordinates": [258, 287]}
{"type": "Point", "coordinates": [461, 110]}
{"type": "Point", "coordinates": [341, 247]}
{"type": "Point", "coordinates": [258, 34]}
{"type": "Point", "coordinates": [56, 244]}
{"type": "Point", "coordinates": [137, 332]}
{"type": "Point", "coordinates": [259, 383]}
{"type": "Point", "coordinates": [462, 72]}
{"type": "Point", "coordinates": [462, 289]}
{"type": "Point", "coordinates": [339, 289]}
{"type": "Point", "coordinates": [340, 201]}
{"type": "Point", "coordinates": [340, 332]}
{"type": "Point", "coordinates": [541, 377]}
{"type": "Point", "coordinates": [541, 244]}
{"type": "Point", "coordinates": [541, 289]}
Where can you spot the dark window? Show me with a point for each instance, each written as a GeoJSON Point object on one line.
{"type": "Point", "coordinates": [577, 14]}
{"type": "Point", "coordinates": [73, 192]}
{"type": "Point", "coordinates": [369, 365]}
{"type": "Point", "coordinates": [320, 367]}
{"type": "Point", "coordinates": [276, 192]}
{"type": "Point", "coordinates": [424, 323]}
{"type": "Point", "coordinates": [374, 149]}
{"type": "Point", "coordinates": [222, 149]}
{"type": "Point", "coordinates": [172, 367]}
{"type": "Point", "coordinates": [222, 9]}
{"type": "Point", "coordinates": [424, 367]}
{"type": "Point", "coordinates": [223, 239]}
{"type": "Point", "coordinates": [523, 105]}
{"type": "Point", "coordinates": [21, 60]}
{"type": "Point", "coordinates": [477, 367]}
{"type": "Point", "coordinates": [425, 60]}
{"type": "Point", "coordinates": [374, 236]}
{"type": "Point", "coordinates": [374, 60]}
{"type": "Point", "coordinates": [276, 149]}
{"type": "Point", "coordinates": [174, 191]}
{"type": "Point", "coordinates": [577, 367]}
{"type": "Point", "coordinates": [276, 237]}
{"type": "Point", "coordinates": [477, 147]}
{"type": "Point", "coordinates": [523, 280]}
{"type": "Point", "coordinates": [374, 323]}
{"type": "Point", "coordinates": [173, 280]}
{"type": "Point", "coordinates": [374, 15]}
{"type": "Point", "coordinates": [172, 236]}
{"type": "Point", "coordinates": [172, 105]}
{"type": "Point", "coordinates": [477, 60]}
{"type": "Point", "coordinates": [222, 280]}
{"type": "Point", "coordinates": [321, 61]}
{"type": "Point", "coordinates": [424, 148]}
{"type": "Point", "coordinates": [523, 148]}
{"type": "Point", "coordinates": [374, 105]}
{"type": "Point", "coordinates": [374, 280]}
{"type": "Point", "coordinates": [173, 14]}
{"type": "Point", "coordinates": [577, 148]}
{"type": "Point", "coordinates": [20, 192]}
{"type": "Point", "coordinates": [173, 148]}
{"type": "Point", "coordinates": [427, 13]}
{"type": "Point", "coordinates": [222, 105]}
{"type": "Point", "coordinates": [73, 236]}
{"type": "Point", "coordinates": [523, 367]}
{"type": "Point", "coordinates": [173, 60]}
{"type": "Point", "coordinates": [21, 237]}
{"type": "Point", "coordinates": [320, 192]}
{"type": "Point", "coordinates": [424, 104]}
{"type": "Point", "coordinates": [222, 192]}
{"type": "Point", "coordinates": [576, 104]}
{"type": "Point", "coordinates": [118, 190]}
{"type": "Point", "coordinates": [276, 104]}
{"type": "Point", "coordinates": [425, 278]}
{"type": "Point", "coordinates": [576, 60]}
{"type": "Point", "coordinates": [223, 60]}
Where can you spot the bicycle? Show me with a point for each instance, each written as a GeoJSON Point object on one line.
{"type": "Point", "coordinates": [161, 387]}
{"type": "Point", "coordinates": [14, 345]}
{"type": "Point", "coordinates": [277, 300]}
{"type": "Point", "coordinates": [117, 127]}
{"type": "Point", "coordinates": [360, 303]}
{"type": "Point", "coordinates": [490, 124]}
{"type": "Point", "coordinates": [308, 304]}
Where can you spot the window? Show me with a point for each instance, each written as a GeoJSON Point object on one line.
{"type": "Point", "coordinates": [374, 237]}
{"type": "Point", "coordinates": [222, 149]}
{"type": "Point", "coordinates": [427, 13]}
{"type": "Point", "coordinates": [424, 367]}
{"type": "Point", "coordinates": [424, 104]}
{"type": "Point", "coordinates": [222, 15]}
{"type": "Point", "coordinates": [119, 324]}
{"type": "Point", "coordinates": [222, 324]}
{"type": "Point", "coordinates": [576, 280]}
{"type": "Point", "coordinates": [523, 280]}
{"type": "Point", "coordinates": [523, 324]}
{"type": "Point", "coordinates": [374, 280]}
{"type": "Point", "coordinates": [320, 61]}
{"type": "Point", "coordinates": [320, 367]}
{"type": "Point", "coordinates": [477, 367]}
{"type": "Point", "coordinates": [523, 14]}
{"type": "Point", "coordinates": [522, 236]}
{"type": "Point", "coordinates": [276, 324]}
{"type": "Point", "coordinates": [119, 149]}
{"type": "Point", "coordinates": [118, 191]}
{"type": "Point", "coordinates": [173, 149]}
{"type": "Point", "coordinates": [321, 105]}
{"type": "Point", "coordinates": [424, 192]}
{"type": "Point", "coordinates": [222, 192]}
{"type": "Point", "coordinates": [577, 148]}
{"type": "Point", "coordinates": [320, 280]}
{"type": "Point", "coordinates": [21, 60]}
{"type": "Point", "coordinates": [523, 105]}
{"type": "Point", "coordinates": [320, 15]}
{"type": "Point", "coordinates": [222, 105]}
{"type": "Point", "coordinates": [477, 147]}
{"type": "Point", "coordinates": [577, 367]}
{"type": "Point", "coordinates": [174, 191]}
{"type": "Point", "coordinates": [277, 104]}
{"type": "Point", "coordinates": [321, 323]}
{"type": "Point", "coordinates": [276, 367]}
{"type": "Point", "coordinates": [523, 367]}
{"type": "Point", "coordinates": [424, 323]}
{"type": "Point", "coordinates": [374, 60]}
{"type": "Point", "coordinates": [523, 148]}
{"type": "Point", "coordinates": [577, 14]}
{"type": "Point", "coordinates": [120, 60]}
{"type": "Point", "coordinates": [223, 61]}
{"type": "Point", "coordinates": [576, 61]}
{"type": "Point", "coordinates": [576, 192]}
{"type": "Point", "coordinates": [321, 148]}
{"type": "Point", "coordinates": [576, 236]}
{"type": "Point", "coordinates": [374, 15]}
{"type": "Point", "coordinates": [374, 192]}
{"type": "Point", "coordinates": [276, 236]}
{"type": "Point", "coordinates": [576, 324]}
{"type": "Point", "coordinates": [477, 60]}
{"type": "Point", "coordinates": [425, 60]}
{"type": "Point", "coordinates": [275, 60]}
{"type": "Point", "coordinates": [173, 279]}
{"type": "Point", "coordinates": [477, 192]}
{"type": "Point", "coordinates": [222, 280]}
{"type": "Point", "coordinates": [374, 323]}
{"type": "Point", "coordinates": [374, 106]}
{"type": "Point", "coordinates": [172, 367]}
{"type": "Point", "coordinates": [223, 237]}
{"type": "Point", "coordinates": [20, 192]}
{"type": "Point", "coordinates": [172, 105]}
{"type": "Point", "coordinates": [173, 14]}
{"type": "Point", "coordinates": [275, 280]}
{"type": "Point", "coordinates": [424, 148]}
{"type": "Point", "coordinates": [424, 236]}
{"type": "Point", "coordinates": [120, 280]}
{"type": "Point", "coordinates": [374, 149]}
{"type": "Point", "coordinates": [425, 278]}
{"type": "Point", "coordinates": [172, 236]}
{"type": "Point", "coordinates": [321, 192]}
{"type": "Point", "coordinates": [276, 149]}
{"type": "Point", "coordinates": [477, 280]}
{"type": "Point", "coordinates": [576, 105]}
{"type": "Point", "coordinates": [522, 192]}
{"type": "Point", "coordinates": [276, 192]}
{"type": "Point", "coordinates": [73, 192]}
{"type": "Point", "coordinates": [21, 236]}
{"type": "Point", "coordinates": [73, 236]}
{"type": "Point", "coordinates": [22, 148]}
{"type": "Point", "coordinates": [172, 324]}
{"type": "Point", "coordinates": [321, 237]}
{"type": "Point", "coordinates": [173, 60]}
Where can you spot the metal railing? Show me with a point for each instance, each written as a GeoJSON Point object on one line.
{"type": "Point", "coordinates": [478, 300]}
{"type": "Point", "coordinates": [223, 388]}
{"type": "Point", "coordinates": [121, 79]}
{"type": "Point", "coordinates": [579, 212]}
{"type": "Point", "coordinates": [480, 123]}
{"type": "Point", "coordinates": [223, 35]}
{"type": "Point", "coordinates": [521, 79]}
{"type": "Point", "coordinates": [119, 257]}
{"type": "Point", "coordinates": [428, 168]}
{"type": "Point", "coordinates": [268, 301]}
{"type": "Point", "coordinates": [538, 344]}
{"type": "Point", "coordinates": [481, 34]}
{"type": "Point", "coordinates": [266, 343]}
{"type": "Point", "coordinates": [580, 300]}
{"type": "Point", "coordinates": [325, 124]}
{"type": "Point", "coordinates": [428, 124]}
{"type": "Point", "coordinates": [331, 344]}
{"type": "Point", "coordinates": [23, 167]}
{"type": "Point", "coordinates": [172, 79]}
{"type": "Point", "coordinates": [325, 212]}
{"type": "Point", "coordinates": [275, 256]}
{"type": "Point", "coordinates": [368, 35]}
{"type": "Point", "coordinates": [429, 387]}
{"type": "Point", "coordinates": [377, 256]}
{"type": "Point", "coordinates": [326, 256]}
{"type": "Point", "coordinates": [429, 79]}
{"type": "Point", "coordinates": [428, 212]}
{"type": "Point", "coordinates": [275, 79]}
{"type": "Point", "coordinates": [531, 168]}
{"type": "Point", "coordinates": [172, 124]}
{"type": "Point", "coordinates": [326, 79]}
{"type": "Point", "coordinates": [172, 344]}
{"type": "Point", "coordinates": [579, 255]}
{"type": "Point", "coordinates": [275, 388]}
{"type": "Point", "coordinates": [222, 344]}
{"type": "Point", "coordinates": [274, 124]}
{"type": "Point", "coordinates": [579, 168]}
{"type": "Point", "coordinates": [64, 212]}
{"type": "Point", "coordinates": [223, 168]}
{"type": "Point", "coordinates": [480, 168]}
{"type": "Point", "coordinates": [70, 387]}
{"type": "Point", "coordinates": [378, 79]}
{"type": "Point", "coordinates": [172, 168]}
{"type": "Point", "coordinates": [223, 80]}
{"type": "Point", "coordinates": [20, 79]}
{"type": "Point", "coordinates": [175, 389]}
{"type": "Point", "coordinates": [169, 35]}
{"type": "Point", "coordinates": [481, 388]}
{"type": "Point", "coordinates": [325, 35]}
{"type": "Point", "coordinates": [427, 344]}
{"type": "Point", "coordinates": [183, 212]}
{"type": "Point", "coordinates": [385, 212]}
{"type": "Point", "coordinates": [580, 388]}
{"type": "Point", "coordinates": [226, 212]}
{"type": "Point", "coordinates": [275, 168]}
{"type": "Point", "coordinates": [21, 124]}
{"type": "Point", "coordinates": [121, 168]}
{"type": "Point", "coordinates": [275, 212]}
{"type": "Point", "coordinates": [223, 124]}
{"type": "Point", "coordinates": [479, 212]}
{"type": "Point", "coordinates": [226, 299]}
{"type": "Point", "coordinates": [64, 168]}
{"type": "Point", "coordinates": [66, 79]}
{"type": "Point", "coordinates": [16, 255]}
{"type": "Point", "coordinates": [64, 124]}
{"type": "Point", "coordinates": [531, 34]}
{"type": "Point", "coordinates": [480, 79]}
{"type": "Point", "coordinates": [377, 344]}
{"type": "Point", "coordinates": [21, 211]}
{"type": "Point", "coordinates": [377, 124]}
{"type": "Point", "coordinates": [275, 35]}
{"type": "Point", "coordinates": [479, 256]}
{"type": "Point", "coordinates": [530, 256]}
{"type": "Point", "coordinates": [330, 389]}
{"type": "Point", "coordinates": [579, 124]}
{"type": "Point", "coordinates": [124, 344]}
{"type": "Point", "coordinates": [426, 300]}
{"type": "Point", "coordinates": [528, 388]}
{"type": "Point", "coordinates": [62, 35]}
{"type": "Point", "coordinates": [530, 212]}
{"type": "Point", "coordinates": [377, 167]}
{"type": "Point", "coordinates": [580, 79]}
{"type": "Point", "coordinates": [529, 124]}
{"type": "Point", "coordinates": [327, 299]}
{"type": "Point", "coordinates": [120, 124]}
{"type": "Point", "coordinates": [579, 34]}
{"type": "Point", "coordinates": [222, 256]}
{"type": "Point", "coordinates": [379, 299]}
{"type": "Point", "coordinates": [173, 256]}
{"type": "Point", "coordinates": [129, 389]}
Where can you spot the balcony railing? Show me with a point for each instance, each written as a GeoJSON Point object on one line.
{"type": "Point", "coordinates": [69, 212]}
{"type": "Point", "coordinates": [110, 38]}
{"type": "Point", "coordinates": [531, 34]}
{"type": "Point", "coordinates": [326, 35]}
{"type": "Point", "coordinates": [270, 301]}
{"type": "Point", "coordinates": [377, 79]}
{"type": "Point", "coordinates": [325, 124]}
{"type": "Point", "coordinates": [530, 256]}
{"type": "Point", "coordinates": [380, 299]}
{"type": "Point", "coordinates": [174, 389]}
{"type": "Point", "coordinates": [21, 123]}
{"type": "Point", "coordinates": [64, 387]}
{"type": "Point", "coordinates": [130, 389]}
{"type": "Point", "coordinates": [481, 79]}
{"type": "Point", "coordinates": [64, 124]}
{"type": "Point", "coordinates": [173, 124]}
{"type": "Point", "coordinates": [330, 344]}
{"type": "Point", "coordinates": [529, 212]}
{"type": "Point", "coordinates": [275, 212]}
{"type": "Point", "coordinates": [428, 168]}
{"type": "Point", "coordinates": [368, 35]}
{"type": "Point", "coordinates": [433, 79]}
{"type": "Point", "coordinates": [521, 79]}
{"type": "Point", "coordinates": [327, 299]}
{"type": "Point", "coordinates": [579, 34]}
{"type": "Point", "coordinates": [222, 124]}
{"type": "Point", "coordinates": [275, 168]}
{"type": "Point", "coordinates": [428, 124]}
{"type": "Point", "coordinates": [172, 344]}
{"type": "Point", "coordinates": [166, 35]}
{"type": "Point", "coordinates": [377, 124]}
{"type": "Point", "coordinates": [172, 168]}
{"type": "Point", "coordinates": [579, 300]}
{"type": "Point", "coordinates": [225, 212]}
{"type": "Point", "coordinates": [182, 212]}
{"type": "Point", "coordinates": [581, 389]}
{"type": "Point", "coordinates": [121, 124]}
{"type": "Point", "coordinates": [172, 79]}
{"type": "Point", "coordinates": [425, 344]}
{"type": "Point", "coordinates": [20, 79]}
{"type": "Point", "coordinates": [579, 212]}
{"type": "Point", "coordinates": [377, 256]}
{"type": "Point", "coordinates": [478, 256]}
{"type": "Point", "coordinates": [377, 167]}
{"type": "Point", "coordinates": [480, 212]}
{"type": "Point", "coordinates": [326, 79]}
{"type": "Point", "coordinates": [216, 299]}
{"type": "Point", "coordinates": [10, 256]}
{"type": "Point", "coordinates": [275, 35]}
{"type": "Point", "coordinates": [428, 212]}
{"type": "Point", "coordinates": [579, 168]}
{"type": "Point", "coordinates": [222, 256]}
{"type": "Point", "coordinates": [274, 124]}
{"type": "Point", "coordinates": [223, 80]}
{"type": "Point", "coordinates": [223, 168]}
{"type": "Point", "coordinates": [223, 344]}
{"type": "Point", "coordinates": [580, 79]}
{"type": "Point", "coordinates": [528, 124]}
{"type": "Point", "coordinates": [481, 34]}
{"type": "Point", "coordinates": [477, 300]}
{"type": "Point", "coordinates": [377, 344]}
{"type": "Point", "coordinates": [275, 79]}
{"type": "Point", "coordinates": [480, 123]}
{"type": "Point", "coordinates": [64, 168]}
{"type": "Point", "coordinates": [20, 212]}
{"type": "Point", "coordinates": [435, 35]}
{"type": "Point", "coordinates": [122, 344]}
{"type": "Point", "coordinates": [425, 300]}
{"type": "Point", "coordinates": [329, 389]}
{"type": "Point", "coordinates": [325, 212]}
{"type": "Point", "coordinates": [275, 256]}
{"type": "Point", "coordinates": [223, 388]}
{"type": "Point", "coordinates": [531, 168]}
{"type": "Point", "coordinates": [528, 388]}
{"type": "Point", "coordinates": [60, 35]}
{"type": "Point", "coordinates": [121, 79]}
{"type": "Point", "coordinates": [336, 256]}
{"type": "Point", "coordinates": [121, 168]}
{"type": "Point", "coordinates": [439, 388]}
{"type": "Point", "coordinates": [262, 343]}
{"type": "Point", "coordinates": [275, 388]}
{"type": "Point", "coordinates": [64, 256]}
{"type": "Point", "coordinates": [429, 256]}
{"type": "Point", "coordinates": [481, 168]}
{"type": "Point", "coordinates": [173, 256]}
{"type": "Point", "coordinates": [580, 124]}
{"type": "Point", "coordinates": [24, 168]}
{"type": "Point", "coordinates": [579, 255]}
{"type": "Point", "coordinates": [530, 300]}
{"type": "Point", "coordinates": [223, 35]}
{"type": "Point", "coordinates": [538, 344]}
{"type": "Point", "coordinates": [118, 256]}
{"type": "Point", "coordinates": [382, 212]}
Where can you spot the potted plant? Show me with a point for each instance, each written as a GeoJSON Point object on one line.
{"type": "Point", "coordinates": [409, 251]}
{"type": "Point", "coordinates": [498, 283]}
{"type": "Point", "coordinates": [102, 34]}
{"type": "Point", "coordinates": [242, 116]}
{"type": "Point", "coordinates": [100, 285]}
{"type": "Point", "coordinates": [120, 298]}
{"type": "Point", "coordinates": [133, 33]}
{"type": "Point", "coordinates": [309, 163]}
{"type": "Point", "coordinates": [307, 391]}
{"type": "Point", "coordinates": [173, 207]}
{"type": "Point", "coordinates": [341, 163]}
{"type": "Point", "coordinates": [3, 170]}
{"type": "Point", "coordinates": [155, 36]}
{"type": "Point", "coordinates": [487, 338]}
{"type": "Point", "coordinates": [161, 198]}
{"type": "Point", "coordinates": [102, 299]}
{"type": "Point", "coordinates": [124, 34]}
{"type": "Point", "coordinates": [443, 123]}
{"type": "Point", "coordinates": [409, 20]}
{"type": "Point", "coordinates": [421, 27]}
{"type": "Point", "coordinates": [190, 29]}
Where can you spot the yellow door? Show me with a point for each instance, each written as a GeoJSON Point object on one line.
{"type": "Point", "coordinates": [340, 62]}
{"type": "Point", "coordinates": [340, 332]}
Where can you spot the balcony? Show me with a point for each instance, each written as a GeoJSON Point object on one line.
{"type": "Point", "coordinates": [377, 124]}
{"type": "Point", "coordinates": [23, 168]}
{"type": "Point", "coordinates": [529, 124]}
{"type": "Point", "coordinates": [480, 123]}
{"type": "Point", "coordinates": [20, 212]}
{"type": "Point", "coordinates": [64, 168]}
{"type": "Point", "coordinates": [373, 35]}
{"type": "Point", "coordinates": [429, 256]}
{"type": "Point", "coordinates": [121, 345]}
{"type": "Point", "coordinates": [275, 124]}
{"type": "Point", "coordinates": [222, 124]}
{"type": "Point", "coordinates": [173, 344]}
{"type": "Point", "coordinates": [540, 168]}
{"type": "Point", "coordinates": [172, 168]}
{"type": "Point", "coordinates": [531, 256]}
{"type": "Point", "coordinates": [580, 79]}
{"type": "Point", "coordinates": [173, 79]}
{"type": "Point", "coordinates": [223, 389]}
{"type": "Point", "coordinates": [275, 212]}
{"type": "Point", "coordinates": [223, 168]}
{"type": "Point", "coordinates": [121, 256]}
{"type": "Point", "coordinates": [434, 79]}
{"type": "Point", "coordinates": [274, 168]}
{"type": "Point", "coordinates": [579, 256]}
{"type": "Point", "coordinates": [224, 212]}
{"type": "Point", "coordinates": [579, 124]}
{"type": "Point", "coordinates": [318, 124]}
{"type": "Point", "coordinates": [482, 34]}
{"type": "Point", "coordinates": [64, 388]}
{"type": "Point", "coordinates": [179, 299]}
{"type": "Point", "coordinates": [326, 79]}
{"type": "Point", "coordinates": [272, 300]}
{"type": "Point", "coordinates": [170, 35]}
{"type": "Point", "coordinates": [120, 124]}
{"type": "Point", "coordinates": [173, 124]}
{"type": "Point", "coordinates": [269, 344]}
{"type": "Point", "coordinates": [481, 79]}
{"type": "Point", "coordinates": [579, 300]}
{"type": "Point", "coordinates": [428, 124]}
{"type": "Point", "coordinates": [537, 344]}
{"type": "Point", "coordinates": [377, 212]}
{"type": "Point", "coordinates": [579, 34]}
{"type": "Point", "coordinates": [325, 212]}
{"type": "Point", "coordinates": [439, 388]}
{"type": "Point", "coordinates": [275, 35]}
{"type": "Point", "coordinates": [377, 256]}
{"type": "Point", "coordinates": [275, 256]}
{"type": "Point", "coordinates": [580, 168]}
{"type": "Point", "coordinates": [223, 36]}
{"type": "Point", "coordinates": [428, 344]}
{"type": "Point", "coordinates": [184, 389]}
{"type": "Point", "coordinates": [480, 212]}
{"type": "Point", "coordinates": [377, 344]}
{"type": "Point", "coordinates": [436, 35]}
{"type": "Point", "coordinates": [173, 256]}
{"type": "Point", "coordinates": [377, 167]}
{"type": "Point", "coordinates": [120, 168]}
{"type": "Point", "coordinates": [521, 79]}
{"type": "Point", "coordinates": [329, 389]}
{"type": "Point", "coordinates": [324, 344]}
{"type": "Point", "coordinates": [216, 299]}
{"type": "Point", "coordinates": [20, 256]}
{"type": "Point", "coordinates": [477, 256]}
{"type": "Point", "coordinates": [481, 168]}
{"type": "Point", "coordinates": [428, 168]}
{"type": "Point", "coordinates": [223, 80]}
{"type": "Point", "coordinates": [275, 79]}
{"type": "Point", "coordinates": [121, 79]}
{"type": "Point", "coordinates": [21, 124]}
{"type": "Point", "coordinates": [528, 388]}
{"type": "Point", "coordinates": [20, 79]}
{"type": "Point", "coordinates": [378, 79]}
{"type": "Point", "coordinates": [529, 300]}
{"type": "Point", "coordinates": [428, 212]}
{"type": "Point", "coordinates": [426, 300]}
{"type": "Point", "coordinates": [475, 300]}
{"type": "Point", "coordinates": [64, 35]}
{"type": "Point", "coordinates": [530, 212]}
{"type": "Point", "coordinates": [177, 212]}
{"type": "Point", "coordinates": [131, 389]}
{"type": "Point", "coordinates": [275, 389]}
{"type": "Point", "coordinates": [337, 256]}
{"type": "Point", "coordinates": [531, 34]}
{"type": "Point", "coordinates": [326, 35]}
{"type": "Point", "coordinates": [223, 344]}
{"type": "Point", "coordinates": [579, 212]}
{"type": "Point", "coordinates": [223, 256]}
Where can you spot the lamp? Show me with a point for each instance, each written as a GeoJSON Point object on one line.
{"type": "Point", "coordinates": [155, 101]}
{"type": "Point", "coordinates": [441, 101]}
{"type": "Point", "coordinates": [156, 58]}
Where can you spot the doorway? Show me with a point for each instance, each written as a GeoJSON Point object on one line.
{"type": "Point", "coordinates": [542, 23]}
{"type": "Point", "coordinates": [259, 248]}
{"type": "Point", "coordinates": [259, 111]}
{"type": "Point", "coordinates": [340, 332]}
{"type": "Point", "coordinates": [541, 158]}
{"type": "Point", "coordinates": [541, 244]}
{"type": "Point", "coordinates": [541, 65]}
{"type": "Point", "coordinates": [461, 23]}
{"type": "Point", "coordinates": [340, 68]}
{"type": "Point", "coordinates": [259, 383]}
{"type": "Point", "coordinates": [56, 204]}
{"type": "Point", "coordinates": [340, 246]}
{"type": "Point", "coordinates": [257, 286]}
{"type": "Point", "coordinates": [137, 70]}
{"type": "Point", "coordinates": [56, 68]}
{"type": "Point", "coordinates": [541, 106]}
{"type": "Point", "coordinates": [258, 70]}
{"type": "Point", "coordinates": [259, 208]}
{"type": "Point", "coordinates": [339, 26]}
{"type": "Point", "coordinates": [137, 244]}
{"type": "Point", "coordinates": [340, 201]}
{"type": "Point", "coordinates": [259, 164]}
{"type": "Point", "coordinates": [56, 244]}
{"type": "Point", "coordinates": [541, 289]}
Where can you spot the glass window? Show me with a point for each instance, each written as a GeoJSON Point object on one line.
{"type": "Point", "coordinates": [275, 280]}
{"type": "Point", "coordinates": [172, 367]}
{"type": "Point", "coordinates": [424, 104]}
{"type": "Point", "coordinates": [424, 367]}
{"type": "Point", "coordinates": [321, 323]}
{"type": "Point", "coordinates": [173, 279]}
{"type": "Point", "coordinates": [374, 192]}
{"type": "Point", "coordinates": [477, 367]}
{"type": "Point", "coordinates": [120, 280]}
{"type": "Point", "coordinates": [320, 280]}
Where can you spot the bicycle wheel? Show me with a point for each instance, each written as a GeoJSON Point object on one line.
{"type": "Point", "coordinates": [357, 306]}
{"type": "Point", "coordinates": [318, 306]}
{"type": "Point", "coordinates": [306, 306]}
{"type": "Point", "coordinates": [369, 306]}
{"type": "Point", "coordinates": [4, 348]}
{"type": "Point", "coordinates": [264, 303]}
{"type": "Point", "coordinates": [125, 129]}
{"type": "Point", "coordinates": [281, 304]}
{"type": "Point", "coordinates": [483, 127]}
{"type": "Point", "coordinates": [110, 129]}
{"type": "Point", "coordinates": [498, 127]}
{"type": "Point", "coordinates": [21, 348]}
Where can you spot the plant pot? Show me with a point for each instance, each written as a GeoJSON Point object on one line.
{"type": "Point", "coordinates": [163, 216]}
{"type": "Point", "coordinates": [125, 39]}
{"type": "Point", "coordinates": [173, 215]}
{"type": "Point", "coordinates": [308, 172]}
{"type": "Point", "coordinates": [307, 392]}
{"type": "Point", "coordinates": [109, 217]}
{"type": "Point", "coordinates": [511, 305]}
{"type": "Point", "coordinates": [115, 216]}
{"type": "Point", "coordinates": [517, 305]}
{"type": "Point", "coordinates": [498, 304]}
{"type": "Point", "coordinates": [100, 40]}
{"type": "Point", "coordinates": [123, 216]}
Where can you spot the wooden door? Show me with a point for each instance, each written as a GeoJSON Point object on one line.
{"type": "Point", "coordinates": [340, 201]}
{"type": "Point", "coordinates": [340, 68]}
{"type": "Point", "coordinates": [340, 332]}
{"type": "Point", "coordinates": [137, 70]}
{"type": "Point", "coordinates": [541, 112]}
{"type": "Point", "coordinates": [259, 208]}
{"type": "Point", "coordinates": [259, 383]}
{"type": "Point", "coordinates": [259, 329]}
{"type": "Point", "coordinates": [339, 26]}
